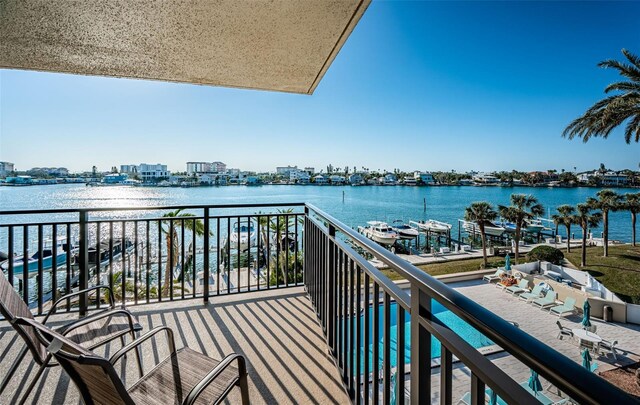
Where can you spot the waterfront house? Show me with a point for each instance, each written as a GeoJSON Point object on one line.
{"type": "Point", "coordinates": [388, 179]}
{"type": "Point", "coordinates": [409, 181]}
{"type": "Point", "coordinates": [301, 335]}
{"type": "Point", "coordinates": [424, 178]}
{"type": "Point", "coordinates": [299, 176]}
{"type": "Point", "coordinates": [319, 180]}
{"type": "Point", "coordinates": [614, 179]}
{"type": "Point", "coordinates": [115, 178]}
{"type": "Point", "coordinates": [356, 179]}
{"type": "Point", "coordinates": [285, 171]}
{"type": "Point", "coordinates": [337, 180]}
{"type": "Point", "coordinates": [153, 173]}
{"type": "Point", "coordinates": [252, 181]}
{"type": "Point", "coordinates": [21, 180]}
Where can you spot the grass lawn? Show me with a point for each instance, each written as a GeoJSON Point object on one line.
{"type": "Point", "coordinates": [620, 272]}
{"type": "Point", "coordinates": [455, 266]}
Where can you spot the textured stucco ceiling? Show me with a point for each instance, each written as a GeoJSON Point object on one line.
{"type": "Point", "coordinates": [282, 45]}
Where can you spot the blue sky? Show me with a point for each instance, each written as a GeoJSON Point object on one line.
{"type": "Point", "coordinates": [418, 85]}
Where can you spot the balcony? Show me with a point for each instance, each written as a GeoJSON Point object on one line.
{"type": "Point", "coordinates": [291, 290]}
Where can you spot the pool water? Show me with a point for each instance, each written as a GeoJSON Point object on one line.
{"type": "Point", "coordinates": [460, 327]}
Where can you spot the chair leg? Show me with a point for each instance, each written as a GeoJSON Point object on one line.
{"type": "Point", "coordinates": [13, 369]}
{"type": "Point", "coordinates": [138, 359]}
{"type": "Point", "coordinates": [34, 380]}
{"type": "Point", "coordinates": [244, 389]}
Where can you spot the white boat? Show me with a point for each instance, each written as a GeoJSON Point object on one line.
{"type": "Point", "coordinates": [379, 232]}
{"type": "Point", "coordinates": [62, 250]}
{"type": "Point", "coordinates": [490, 229]}
{"type": "Point", "coordinates": [431, 225]}
{"type": "Point", "coordinates": [404, 231]}
{"type": "Point", "coordinates": [534, 226]}
{"type": "Point", "coordinates": [243, 233]}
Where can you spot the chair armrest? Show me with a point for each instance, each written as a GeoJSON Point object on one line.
{"type": "Point", "coordinates": [144, 338]}
{"type": "Point", "coordinates": [75, 294]}
{"type": "Point", "coordinates": [213, 374]}
{"type": "Point", "coordinates": [101, 315]}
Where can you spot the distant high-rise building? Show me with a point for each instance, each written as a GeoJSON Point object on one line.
{"type": "Point", "coordinates": [206, 168]}
{"type": "Point", "coordinates": [129, 169]}
{"type": "Point", "coordinates": [6, 168]}
{"type": "Point", "coordinates": [285, 171]}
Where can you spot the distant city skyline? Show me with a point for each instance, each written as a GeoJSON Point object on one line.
{"type": "Point", "coordinates": [441, 86]}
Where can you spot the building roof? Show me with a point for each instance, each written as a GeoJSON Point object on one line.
{"type": "Point", "coordinates": [279, 45]}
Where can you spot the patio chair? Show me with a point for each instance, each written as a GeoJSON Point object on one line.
{"type": "Point", "coordinates": [568, 307]}
{"type": "Point", "coordinates": [606, 347]}
{"type": "Point", "coordinates": [564, 331]}
{"type": "Point", "coordinates": [523, 286]}
{"type": "Point", "coordinates": [183, 377]}
{"type": "Point", "coordinates": [547, 301]}
{"type": "Point", "coordinates": [91, 332]}
{"type": "Point", "coordinates": [494, 276]}
{"type": "Point", "coordinates": [534, 294]}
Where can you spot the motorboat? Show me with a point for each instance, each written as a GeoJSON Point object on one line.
{"type": "Point", "coordinates": [379, 232]}
{"type": "Point", "coordinates": [62, 251]}
{"type": "Point", "coordinates": [404, 231]}
{"type": "Point", "coordinates": [490, 229]}
{"type": "Point", "coordinates": [534, 226]}
{"type": "Point", "coordinates": [431, 225]}
{"type": "Point", "coordinates": [244, 234]}
{"type": "Point", "coordinates": [108, 250]}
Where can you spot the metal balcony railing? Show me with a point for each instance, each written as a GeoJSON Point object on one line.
{"type": "Point", "coordinates": [156, 254]}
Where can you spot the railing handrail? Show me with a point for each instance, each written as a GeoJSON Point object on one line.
{"type": "Point", "coordinates": [561, 371]}
{"type": "Point", "coordinates": [150, 208]}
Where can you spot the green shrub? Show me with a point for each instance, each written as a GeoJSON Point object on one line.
{"type": "Point", "coordinates": [545, 254]}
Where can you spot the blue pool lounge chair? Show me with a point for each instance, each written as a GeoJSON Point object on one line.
{"type": "Point", "coordinates": [522, 287]}
{"type": "Point", "coordinates": [547, 301]}
{"type": "Point", "coordinates": [534, 294]}
{"type": "Point", "coordinates": [568, 307]}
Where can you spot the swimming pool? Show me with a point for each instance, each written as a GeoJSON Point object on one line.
{"type": "Point", "coordinates": [460, 327]}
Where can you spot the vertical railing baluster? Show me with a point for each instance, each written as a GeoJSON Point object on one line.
{"type": "Point", "coordinates": [477, 390]}
{"type": "Point", "coordinates": [171, 258]}
{"type": "Point", "coordinates": [148, 254]}
{"type": "Point", "coordinates": [68, 269]}
{"type": "Point", "coordinates": [400, 349]}
{"type": "Point", "coordinates": [159, 287]}
{"type": "Point", "coordinates": [39, 276]}
{"type": "Point", "coordinates": [446, 375]}
{"type": "Point", "coordinates": [136, 268]}
{"type": "Point", "coordinates": [338, 315]}
{"type": "Point", "coordinates": [123, 250]}
{"type": "Point", "coordinates": [98, 228]}
{"type": "Point", "coordinates": [352, 319]}
{"type": "Point", "coordinates": [358, 349]}
{"type": "Point", "coordinates": [386, 356]}
{"type": "Point", "coordinates": [83, 259]}
{"type": "Point", "coordinates": [218, 254]}
{"type": "Point", "coordinates": [295, 252]}
{"type": "Point", "coordinates": [206, 271]}
{"type": "Point", "coordinates": [54, 261]}
{"type": "Point", "coordinates": [110, 256]}
{"type": "Point", "coordinates": [238, 285]}
{"type": "Point", "coordinates": [278, 249]}
{"type": "Point", "coordinates": [10, 253]}
{"type": "Point", "coordinates": [331, 292]}
{"type": "Point", "coordinates": [375, 341]}
{"type": "Point", "coordinates": [420, 348]}
{"type": "Point", "coordinates": [367, 337]}
{"type": "Point", "coordinates": [25, 264]}
{"type": "Point", "coordinates": [182, 262]}
{"type": "Point", "coordinates": [228, 262]}
{"type": "Point", "coordinates": [259, 252]}
{"type": "Point", "coordinates": [268, 253]}
{"type": "Point", "coordinates": [286, 251]}
{"type": "Point", "coordinates": [194, 262]}
{"type": "Point", "coordinates": [249, 253]}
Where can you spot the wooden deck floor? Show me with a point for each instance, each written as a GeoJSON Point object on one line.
{"type": "Point", "coordinates": [276, 331]}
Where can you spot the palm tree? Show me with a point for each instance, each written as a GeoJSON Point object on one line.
{"type": "Point", "coordinates": [586, 219]}
{"type": "Point", "coordinates": [632, 204]}
{"type": "Point", "coordinates": [607, 201]}
{"type": "Point", "coordinates": [613, 111]}
{"type": "Point", "coordinates": [522, 207]}
{"type": "Point", "coordinates": [170, 229]}
{"type": "Point", "coordinates": [565, 216]}
{"type": "Point", "coordinates": [481, 212]}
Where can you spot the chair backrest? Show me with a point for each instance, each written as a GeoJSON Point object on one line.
{"type": "Point", "coordinates": [94, 376]}
{"type": "Point", "coordinates": [12, 307]}
{"type": "Point", "coordinates": [570, 302]}
{"type": "Point", "coordinates": [524, 283]}
{"type": "Point", "coordinates": [537, 289]}
{"type": "Point", "coordinates": [550, 295]}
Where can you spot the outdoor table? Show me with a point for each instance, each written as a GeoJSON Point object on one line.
{"type": "Point", "coordinates": [587, 336]}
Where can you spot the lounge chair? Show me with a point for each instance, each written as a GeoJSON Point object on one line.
{"type": "Point", "coordinates": [547, 301]}
{"type": "Point", "coordinates": [494, 276]}
{"type": "Point", "coordinates": [523, 286]}
{"type": "Point", "coordinates": [568, 307]}
{"type": "Point", "coordinates": [534, 294]}
{"type": "Point", "coordinates": [610, 347]}
{"type": "Point", "coordinates": [183, 377]}
{"type": "Point", "coordinates": [90, 332]}
{"type": "Point", "coordinates": [543, 399]}
{"type": "Point", "coordinates": [564, 331]}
